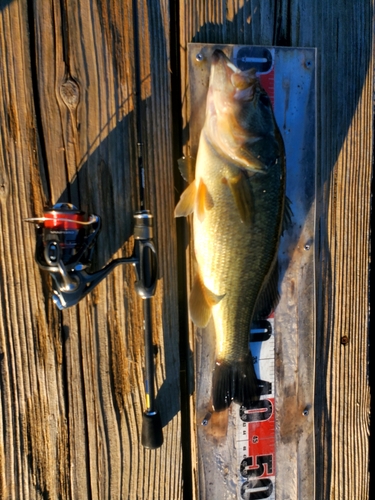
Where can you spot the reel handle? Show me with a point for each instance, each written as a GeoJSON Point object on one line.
{"type": "Point", "coordinates": [146, 268]}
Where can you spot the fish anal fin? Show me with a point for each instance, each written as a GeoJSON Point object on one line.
{"type": "Point", "coordinates": [204, 201]}
{"type": "Point", "coordinates": [185, 206]}
{"type": "Point", "coordinates": [201, 301]}
{"type": "Point", "coordinates": [243, 196]}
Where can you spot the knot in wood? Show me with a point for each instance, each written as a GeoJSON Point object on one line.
{"type": "Point", "coordinates": [69, 91]}
{"type": "Point", "coordinates": [3, 190]}
{"type": "Point", "coordinates": [4, 184]}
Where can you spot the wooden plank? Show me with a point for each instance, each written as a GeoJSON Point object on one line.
{"type": "Point", "coordinates": [67, 127]}
{"type": "Point", "coordinates": [25, 339]}
{"type": "Point", "coordinates": [69, 134]}
{"type": "Point", "coordinates": [343, 37]}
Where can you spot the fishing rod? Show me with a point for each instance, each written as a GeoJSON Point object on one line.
{"type": "Point", "coordinates": [145, 253]}
{"type": "Point", "coordinates": [152, 434]}
{"type": "Point", "coordinates": [64, 248]}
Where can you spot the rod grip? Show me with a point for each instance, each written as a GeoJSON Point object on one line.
{"type": "Point", "coordinates": [152, 433]}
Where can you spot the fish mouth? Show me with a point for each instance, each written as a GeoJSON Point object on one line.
{"type": "Point", "coordinates": [218, 55]}
{"type": "Point", "coordinates": [221, 89]}
{"type": "Point", "coordinates": [218, 58]}
{"type": "Point", "coordinates": [225, 76]}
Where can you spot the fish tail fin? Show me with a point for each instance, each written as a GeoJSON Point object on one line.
{"type": "Point", "coordinates": [222, 386]}
{"type": "Point", "coordinates": [247, 385]}
{"type": "Point", "coordinates": [236, 381]}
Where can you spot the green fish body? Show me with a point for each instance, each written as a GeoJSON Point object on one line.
{"type": "Point", "coordinates": [238, 201]}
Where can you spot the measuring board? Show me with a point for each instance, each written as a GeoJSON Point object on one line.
{"type": "Point", "coordinates": [267, 450]}
{"type": "Point", "coordinates": [256, 440]}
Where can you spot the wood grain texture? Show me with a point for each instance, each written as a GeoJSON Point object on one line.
{"type": "Point", "coordinates": [72, 383]}
{"type": "Point", "coordinates": [343, 35]}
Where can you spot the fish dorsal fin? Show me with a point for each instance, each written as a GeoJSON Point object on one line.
{"type": "Point", "coordinates": [269, 295]}
{"type": "Point", "coordinates": [204, 201]}
{"type": "Point", "coordinates": [187, 200]}
{"type": "Point", "coordinates": [288, 215]}
{"type": "Point", "coordinates": [201, 301]}
{"type": "Point", "coordinates": [243, 196]}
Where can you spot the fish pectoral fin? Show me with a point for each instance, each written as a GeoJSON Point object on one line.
{"type": "Point", "coordinates": [201, 301]}
{"type": "Point", "coordinates": [243, 196]}
{"type": "Point", "coordinates": [250, 161]}
{"type": "Point", "coordinates": [204, 201]}
{"type": "Point", "coordinates": [259, 155]}
{"type": "Point", "coordinates": [185, 206]}
{"type": "Point", "coordinates": [186, 166]}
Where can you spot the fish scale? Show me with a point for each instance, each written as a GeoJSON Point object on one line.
{"type": "Point", "coordinates": [232, 258]}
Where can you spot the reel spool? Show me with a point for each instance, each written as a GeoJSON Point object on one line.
{"type": "Point", "coordinates": [65, 236]}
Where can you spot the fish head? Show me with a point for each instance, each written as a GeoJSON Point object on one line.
{"type": "Point", "coordinates": [238, 112]}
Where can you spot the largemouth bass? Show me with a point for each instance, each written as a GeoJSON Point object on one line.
{"type": "Point", "coordinates": [238, 200]}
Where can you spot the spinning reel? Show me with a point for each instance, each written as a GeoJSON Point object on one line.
{"type": "Point", "coordinates": [64, 248]}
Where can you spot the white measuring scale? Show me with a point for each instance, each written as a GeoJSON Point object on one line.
{"type": "Point", "coordinates": [267, 449]}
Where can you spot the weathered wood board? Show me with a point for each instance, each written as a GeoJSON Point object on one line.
{"type": "Point", "coordinates": [343, 37]}
{"type": "Point", "coordinates": [72, 391]}
{"type": "Point", "coordinates": [71, 384]}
